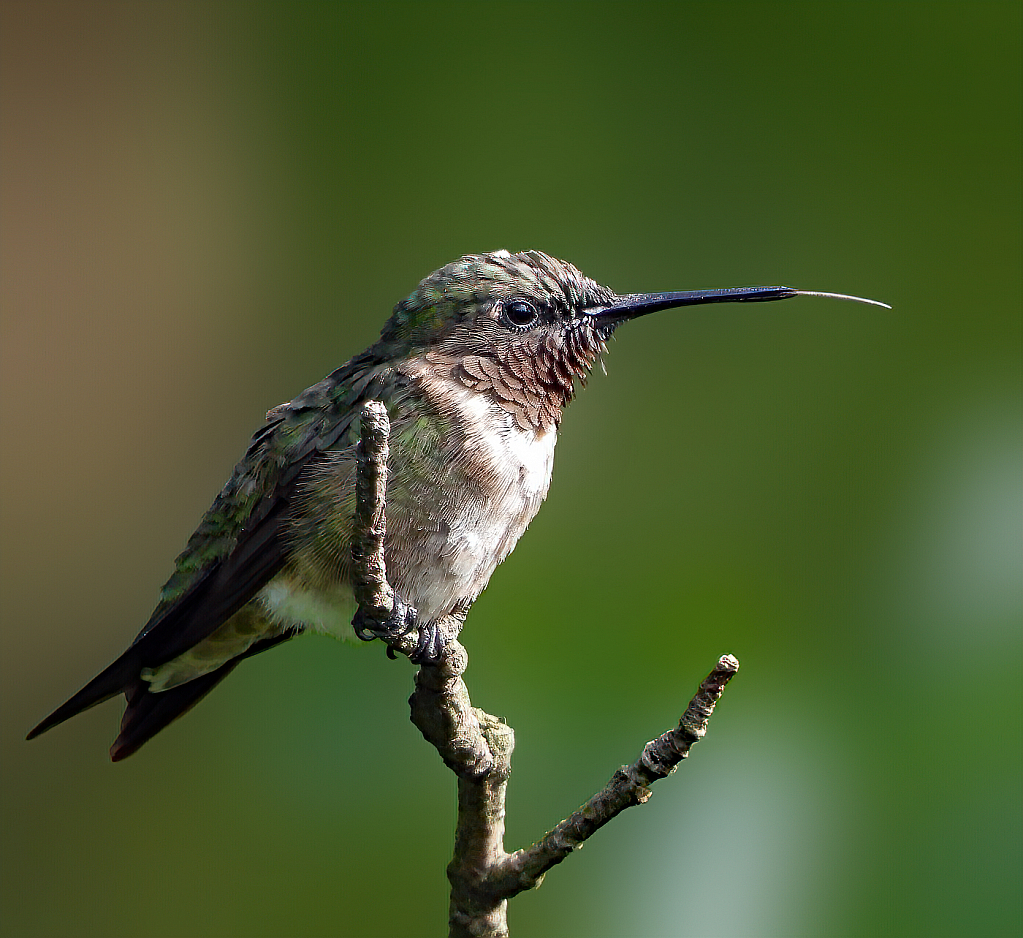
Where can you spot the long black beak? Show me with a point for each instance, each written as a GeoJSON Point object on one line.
{"type": "Point", "coordinates": [639, 304]}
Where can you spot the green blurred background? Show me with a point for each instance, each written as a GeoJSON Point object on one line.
{"type": "Point", "coordinates": [208, 206]}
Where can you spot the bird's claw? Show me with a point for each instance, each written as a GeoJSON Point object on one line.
{"type": "Point", "coordinates": [430, 644]}
{"type": "Point", "coordinates": [402, 620]}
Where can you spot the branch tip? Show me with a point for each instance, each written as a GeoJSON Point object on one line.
{"type": "Point", "coordinates": [728, 663]}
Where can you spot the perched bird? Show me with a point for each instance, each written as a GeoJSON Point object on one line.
{"type": "Point", "coordinates": [474, 368]}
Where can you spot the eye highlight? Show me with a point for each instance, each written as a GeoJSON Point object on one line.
{"type": "Point", "coordinates": [520, 313]}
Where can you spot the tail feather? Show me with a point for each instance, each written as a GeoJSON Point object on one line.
{"type": "Point", "coordinates": [148, 713]}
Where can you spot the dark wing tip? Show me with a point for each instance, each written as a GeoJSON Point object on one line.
{"type": "Point", "coordinates": [110, 682]}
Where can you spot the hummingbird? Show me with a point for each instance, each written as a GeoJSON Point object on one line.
{"type": "Point", "coordinates": [475, 369]}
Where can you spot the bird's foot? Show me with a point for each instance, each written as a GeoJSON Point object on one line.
{"type": "Point", "coordinates": [403, 620]}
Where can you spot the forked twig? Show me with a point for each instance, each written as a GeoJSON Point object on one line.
{"type": "Point", "coordinates": [477, 747]}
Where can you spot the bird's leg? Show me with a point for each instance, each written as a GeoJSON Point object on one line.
{"type": "Point", "coordinates": [404, 619]}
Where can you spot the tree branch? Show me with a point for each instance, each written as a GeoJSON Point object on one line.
{"type": "Point", "coordinates": [476, 746]}
{"type": "Point", "coordinates": [369, 571]}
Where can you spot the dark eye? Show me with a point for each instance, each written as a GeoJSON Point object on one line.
{"type": "Point", "coordinates": [520, 313]}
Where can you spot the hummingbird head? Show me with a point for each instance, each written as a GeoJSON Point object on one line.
{"type": "Point", "coordinates": [526, 327]}
{"type": "Point", "coordinates": [515, 326]}
{"type": "Point", "coordinates": [498, 297]}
